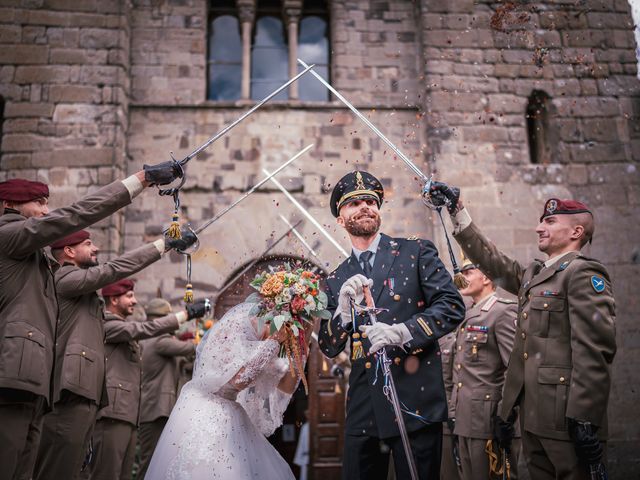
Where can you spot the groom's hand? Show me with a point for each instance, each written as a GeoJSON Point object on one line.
{"type": "Point", "coordinates": [352, 289]}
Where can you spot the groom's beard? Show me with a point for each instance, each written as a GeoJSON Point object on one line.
{"type": "Point", "coordinates": [363, 224]}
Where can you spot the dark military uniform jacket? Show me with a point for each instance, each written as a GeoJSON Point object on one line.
{"type": "Point", "coordinates": [28, 305]}
{"type": "Point", "coordinates": [124, 362]}
{"type": "Point", "coordinates": [482, 348]}
{"type": "Point", "coordinates": [412, 283]}
{"type": "Point", "coordinates": [80, 345]}
{"type": "Point", "coordinates": [160, 374]}
{"type": "Point", "coordinates": [560, 365]}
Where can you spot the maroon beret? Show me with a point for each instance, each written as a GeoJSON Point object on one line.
{"type": "Point", "coordinates": [21, 190]}
{"type": "Point", "coordinates": [71, 240]}
{"type": "Point", "coordinates": [118, 288]}
{"type": "Point", "coordinates": [555, 206]}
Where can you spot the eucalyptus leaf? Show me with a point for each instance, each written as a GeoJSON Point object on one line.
{"type": "Point", "coordinates": [324, 314]}
{"type": "Point", "coordinates": [278, 320]}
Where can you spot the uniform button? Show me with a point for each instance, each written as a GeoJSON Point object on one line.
{"type": "Point", "coordinates": [459, 384]}
{"type": "Point", "coordinates": [364, 335]}
{"type": "Point", "coordinates": [525, 315]}
{"type": "Point", "coordinates": [562, 379]}
{"type": "Point", "coordinates": [30, 334]}
{"type": "Point", "coordinates": [529, 296]}
{"type": "Point", "coordinates": [120, 385]}
{"type": "Point", "coordinates": [525, 355]}
{"type": "Point", "coordinates": [396, 360]}
{"type": "Point", "coordinates": [367, 365]}
{"type": "Point", "coordinates": [396, 297]}
{"type": "Point", "coordinates": [475, 338]}
{"type": "Point", "coordinates": [459, 347]}
{"type": "Point", "coordinates": [524, 335]}
{"type": "Point", "coordinates": [458, 366]}
{"type": "Point", "coordinates": [84, 354]}
{"type": "Point", "coordinates": [487, 396]}
{"type": "Point", "coordinates": [546, 305]}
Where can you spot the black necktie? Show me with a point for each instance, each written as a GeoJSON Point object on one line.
{"type": "Point", "coordinates": [366, 266]}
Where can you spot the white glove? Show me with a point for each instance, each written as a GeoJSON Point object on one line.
{"type": "Point", "coordinates": [381, 334]}
{"type": "Point", "coordinates": [351, 289]}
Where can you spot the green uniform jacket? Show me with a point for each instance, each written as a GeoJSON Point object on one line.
{"type": "Point", "coordinates": [481, 353]}
{"type": "Point", "coordinates": [560, 365]}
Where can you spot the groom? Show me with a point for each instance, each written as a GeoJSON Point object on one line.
{"type": "Point", "coordinates": [408, 279]}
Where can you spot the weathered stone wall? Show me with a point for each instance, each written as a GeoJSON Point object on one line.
{"type": "Point", "coordinates": [64, 77]}
{"type": "Point", "coordinates": [482, 60]}
{"type": "Point", "coordinates": [95, 89]}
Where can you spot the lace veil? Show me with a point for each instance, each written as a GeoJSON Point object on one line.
{"type": "Point", "coordinates": [232, 344]}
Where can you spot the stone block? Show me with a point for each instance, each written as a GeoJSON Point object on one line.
{"type": "Point", "coordinates": [71, 5]}
{"type": "Point", "coordinates": [586, 106]}
{"type": "Point", "coordinates": [42, 74]}
{"type": "Point", "coordinates": [73, 157]}
{"type": "Point", "coordinates": [505, 103]}
{"type": "Point", "coordinates": [609, 20]}
{"type": "Point", "coordinates": [25, 109]}
{"type": "Point", "coordinates": [23, 142]}
{"type": "Point", "coordinates": [619, 85]}
{"type": "Point", "coordinates": [80, 113]}
{"type": "Point", "coordinates": [47, 18]}
{"type": "Point", "coordinates": [10, 34]}
{"type": "Point", "coordinates": [15, 161]}
{"type": "Point", "coordinates": [480, 134]}
{"type": "Point", "coordinates": [99, 38]}
{"type": "Point", "coordinates": [78, 56]}
{"type": "Point", "coordinates": [74, 94]}
{"type": "Point", "coordinates": [593, 152]}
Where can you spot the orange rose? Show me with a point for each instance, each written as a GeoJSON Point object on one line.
{"type": "Point", "coordinates": [272, 286]}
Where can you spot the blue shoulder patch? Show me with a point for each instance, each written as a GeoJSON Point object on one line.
{"type": "Point", "coordinates": [597, 282]}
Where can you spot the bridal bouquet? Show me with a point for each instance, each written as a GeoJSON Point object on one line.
{"type": "Point", "coordinates": [287, 298]}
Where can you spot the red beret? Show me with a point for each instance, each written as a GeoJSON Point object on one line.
{"type": "Point", "coordinates": [71, 240]}
{"type": "Point", "coordinates": [21, 190]}
{"type": "Point", "coordinates": [118, 288]}
{"type": "Point", "coordinates": [555, 206]}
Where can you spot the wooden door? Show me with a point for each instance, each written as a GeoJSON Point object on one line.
{"type": "Point", "coordinates": [326, 400]}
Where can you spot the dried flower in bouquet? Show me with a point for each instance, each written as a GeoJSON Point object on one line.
{"type": "Point", "coordinates": [287, 298]}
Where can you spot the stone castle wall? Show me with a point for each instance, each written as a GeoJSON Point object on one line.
{"type": "Point", "coordinates": [93, 90]}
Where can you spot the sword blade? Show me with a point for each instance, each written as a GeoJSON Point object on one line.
{"type": "Point", "coordinates": [299, 236]}
{"type": "Point", "coordinates": [245, 115]}
{"type": "Point", "coordinates": [366, 121]}
{"type": "Point", "coordinates": [253, 189]}
{"type": "Point", "coordinates": [395, 401]}
{"type": "Point", "coordinates": [304, 211]}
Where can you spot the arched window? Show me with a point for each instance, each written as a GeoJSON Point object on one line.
{"type": "Point", "coordinates": [538, 111]}
{"type": "Point", "coordinates": [254, 46]}
{"type": "Point", "coordinates": [225, 54]}
{"type": "Point", "coordinates": [269, 58]}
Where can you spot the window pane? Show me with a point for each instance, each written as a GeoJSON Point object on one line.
{"type": "Point", "coordinates": [269, 58]}
{"type": "Point", "coordinates": [313, 44]}
{"type": "Point", "coordinates": [309, 88]}
{"type": "Point", "coordinates": [224, 82]}
{"type": "Point", "coordinates": [225, 43]}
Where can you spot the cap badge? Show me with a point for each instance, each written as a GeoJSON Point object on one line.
{"type": "Point", "coordinates": [359, 182]}
{"type": "Point", "coordinates": [552, 206]}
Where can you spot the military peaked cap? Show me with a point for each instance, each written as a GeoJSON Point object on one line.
{"type": "Point", "coordinates": [355, 186]}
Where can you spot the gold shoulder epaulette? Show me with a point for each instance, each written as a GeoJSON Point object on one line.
{"type": "Point", "coordinates": [506, 300]}
{"type": "Point", "coordinates": [413, 237]}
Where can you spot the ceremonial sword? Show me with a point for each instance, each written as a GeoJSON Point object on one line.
{"type": "Point", "coordinates": [173, 191]}
{"type": "Point", "coordinates": [426, 181]}
{"type": "Point", "coordinates": [297, 204]}
{"type": "Point", "coordinates": [390, 390]}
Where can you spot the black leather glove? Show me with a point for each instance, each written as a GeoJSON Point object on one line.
{"type": "Point", "coordinates": [189, 239]}
{"type": "Point", "coordinates": [198, 309]}
{"type": "Point", "coordinates": [163, 173]}
{"type": "Point", "coordinates": [451, 423]}
{"type": "Point", "coordinates": [588, 448]}
{"type": "Point", "coordinates": [442, 195]}
{"type": "Point", "coordinates": [503, 432]}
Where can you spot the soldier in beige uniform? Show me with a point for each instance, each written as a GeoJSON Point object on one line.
{"type": "Point", "coordinates": [450, 445]}
{"type": "Point", "coordinates": [560, 367]}
{"type": "Point", "coordinates": [28, 304]}
{"type": "Point", "coordinates": [114, 435]}
{"type": "Point", "coordinates": [79, 376]}
{"type": "Point", "coordinates": [160, 373]}
{"type": "Point", "coordinates": [482, 347]}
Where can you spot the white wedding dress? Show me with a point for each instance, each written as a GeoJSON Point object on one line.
{"type": "Point", "coordinates": [217, 431]}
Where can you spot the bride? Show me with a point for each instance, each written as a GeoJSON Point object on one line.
{"type": "Point", "coordinates": [237, 397]}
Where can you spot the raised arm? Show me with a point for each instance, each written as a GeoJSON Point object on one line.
{"type": "Point", "coordinates": [21, 238]}
{"type": "Point", "coordinates": [75, 282]}
{"type": "Point", "coordinates": [172, 347]}
{"type": "Point", "coordinates": [117, 331]}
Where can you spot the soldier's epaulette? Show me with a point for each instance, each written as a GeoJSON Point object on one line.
{"type": "Point", "coordinates": [413, 237]}
{"type": "Point", "coordinates": [506, 300]}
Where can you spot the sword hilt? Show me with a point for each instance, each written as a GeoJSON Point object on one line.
{"type": "Point", "coordinates": [368, 298]}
